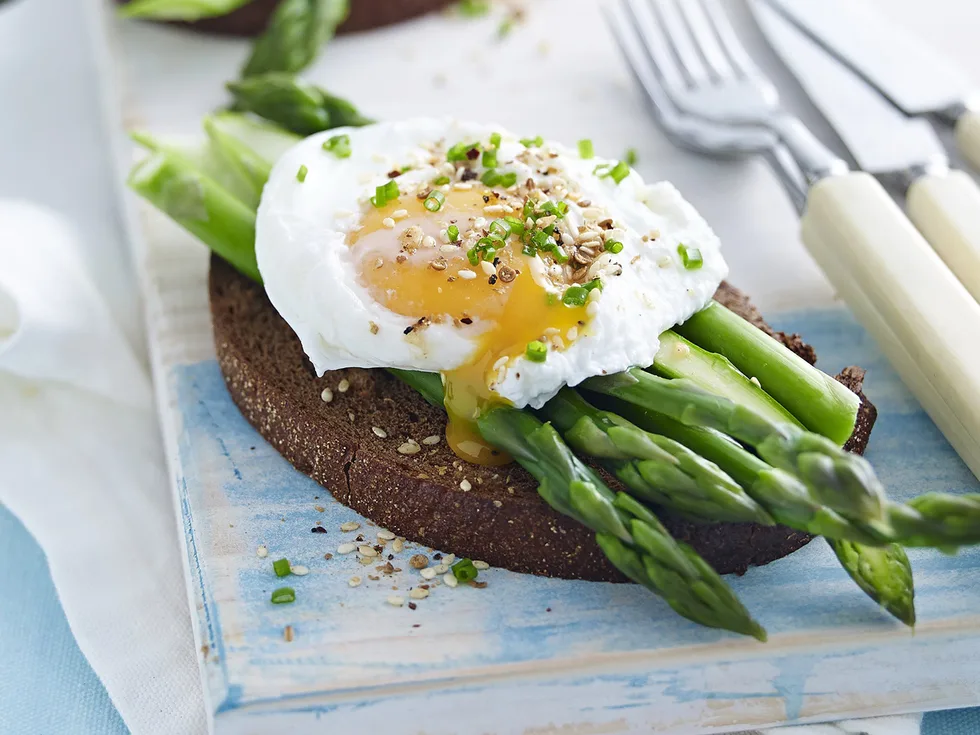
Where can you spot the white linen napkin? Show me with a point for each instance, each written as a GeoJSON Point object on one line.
{"type": "Point", "coordinates": [82, 466]}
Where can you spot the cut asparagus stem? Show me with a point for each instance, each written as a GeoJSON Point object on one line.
{"type": "Point", "coordinates": [884, 573]}
{"type": "Point", "coordinates": [632, 535]}
{"type": "Point", "coordinates": [679, 358]}
{"type": "Point", "coordinates": [201, 206]}
{"type": "Point", "coordinates": [251, 170]}
{"type": "Point", "coordinates": [294, 36]}
{"type": "Point", "coordinates": [836, 478]}
{"type": "Point", "coordinates": [656, 469]}
{"type": "Point", "coordinates": [818, 401]}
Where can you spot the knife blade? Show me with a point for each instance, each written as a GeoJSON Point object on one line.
{"type": "Point", "coordinates": [880, 137]}
{"type": "Point", "coordinates": [944, 205]}
{"type": "Point", "coordinates": [905, 70]}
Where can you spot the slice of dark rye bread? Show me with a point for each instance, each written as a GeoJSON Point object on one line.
{"type": "Point", "coordinates": [350, 446]}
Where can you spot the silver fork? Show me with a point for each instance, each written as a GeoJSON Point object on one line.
{"type": "Point", "coordinates": [878, 262]}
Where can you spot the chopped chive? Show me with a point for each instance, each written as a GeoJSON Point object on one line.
{"type": "Point", "coordinates": [614, 246]}
{"type": "Point", "coordinates": [575, 296]}
{"type": "Point", "coordinates": [473, 8]}
{"type": "Point", "coordinates": [585, 148]}
{"type": "Point", "coordinates": [490, 177]}
{"type": "Point", "coordinates": [516, 226]}
{"type": "Point", "coordinates": [595, 283]}
{"type": "Point", "coordinates": [559, 209]}
{"type": "Point", "coordinates": [508, 179]}
{"type": "Point", "coordinates": [537, 351]}
{"type": "Point", "coordinates": [464, 571]}
{"type": "Point", "coordinates": [630, 157]}
{"type": "Point", "coordinates": [283, 596]}
{"type": "Point", "coordinates": [440, 181]}
{"type": "Point", "coordinates": [453, 232]}
{"type": "Point", "coordinates": [619, 172]}
{"type": "Point", "coordinates": [505, 27]}
{"type": "Point", "coordinates": [459, 151]}
{"type": "Point", "coordinates": [391, 191]}
{"type": "Point", "coordinates": [281, 567]}
{"type": "Point", "coordinates": [301, 174]}
{"type": "Point", "coordinates": [434, 201]}
{"type": "Point", "coordinates": [532, 142]}
{"type": "Point", "coordinates": [529, 206]}
{"type": "Point", "coordinates": [339, 145]}
{"type": "Point", "coordinates": [690, 257]}
{"type": "Point", "coordinates": [380, 197]}
{"type": "Point", "coordinates": [490, 158]}
{"type": "Point", "coordinates": [500, 227]}
{"type": "Point", "coordinates": [473, 255]}
{"type": "Point", "coordinates": [495, 140]}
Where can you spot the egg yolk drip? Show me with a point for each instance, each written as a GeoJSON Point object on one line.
{"type": "Point", "coordinates": [405, 260]}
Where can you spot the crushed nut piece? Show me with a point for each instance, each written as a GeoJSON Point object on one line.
{"type": "Point", "coordinates": [287, 634]}
{"type": "Point", "coordinates": [354, 581]}
{"type": "Point", "coordinates": [418, 561]}
{"type": "Point", "coordinates": [326, 395]}
{"type": "Point", "coordinates": [410, 447]}
{"type": "Point", "coordinates": [262, 552]}
{"type": "Point", "coordinates": [418, 593]}
{"type": "Point", "coordinates": [465, 485]}
{"type": "Point", "coordinates": [343, 386]}
{"type": "Point", "coordinates": [396, 600]}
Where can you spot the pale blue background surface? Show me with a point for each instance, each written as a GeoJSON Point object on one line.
{"type": "Point", "coordinates": [48, 688]}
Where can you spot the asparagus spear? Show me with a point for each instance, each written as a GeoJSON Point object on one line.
{"type": "Point", "coordinates": [300, 108]}
{"type": "Point", "coordinates": [635, 541]}
{"type": "Point", "coordinates": [822, 405]}
{"type": "Point", "coordinates": [883, 573]}
{"type": "Point", "coordinates": [200, 205]}
{"type": "Point", "coordinates": [657, 469]}
{"type": "Point", "coordinates": [836, 478]}
{"type": "Point", "coordinates": [296, 32]}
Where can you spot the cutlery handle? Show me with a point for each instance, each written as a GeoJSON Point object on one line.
{"type": "Point", "coordinates": [967, 133]}
{"type": "Point", "coordinates": [946, 210]}
{"type": "Point", "coordinates": [879, 263]}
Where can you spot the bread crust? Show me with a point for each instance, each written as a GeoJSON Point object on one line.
{"type": "Point", "coordinates": [351, 444]}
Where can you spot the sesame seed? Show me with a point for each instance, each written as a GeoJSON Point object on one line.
{"type": "Point", "coordinates": [396, 601]}
{"type": "Point", "coordinates": [379, 262]}
{"type": "Point", "coordinates": [346, 548]}
{"type": "Point", "coordinates": [299, 570]}
{"type": "Point", "coordinates": [466, 274]}
{"type": "Point", "coordinates": [262, 552]}
{"type": "Point", "coordinates": [572, 334]}
{"type": "Point", "coordinates": [398, 544]}
{"type": "Point", "coordinates": [428, 573]}
{"type": "Point", "coordinates": [595, 294]}
{"type": "Point", "coordinates": [682, 350]}
{"type": "Point", "coordinates": [450, 580]}
{"type": "Point", "coordinates": [365, 550]}
{"type": "Point", "coordinates": [343, 386]}
{"type": "Point", "coordinates": [399, 214]}
{"type": "Point", "coordinates": [349, 526]}
{"type": "Point", "coordinates": [431, 439]}
{"type": "Point", "coordinates": [441, 568]}
{"type": "Point", "coordinates": [462, 186]}
{"type": "Point", "coordinates": [497, 209]}
{"type": "Point", "coordinates": [388, 222]}
{"type": "Point", "coordinates": [465, 485]}
{"type": "Point", "coordinates": [498, 504]}
{"type": "Point", "coordinates": [354, 581]}
{"type": "Point", "coordinates": [287, 634]}
{"type": "Point", "coordinates": [326, 395]}
{"type": "Point", "coordinates": [551, 331]}
{"type": "Point", "coordinates": [448, 249]}
{"type": "Point", "coordinates": [754, 380]}
{"type": "Point", "coordinates": [365, 560]}
{"type": "Point", "coordinates": [350, 415]}
{"type": "Point", "coordinates": [592, 309]}
{"type": "Point", "coordinates": [410, 447]}
{"type": "Point", "coordinates": [379, 432]}
{"type": "Point", "coordinates": [501, 362]}
{"type": "Point", "coordinates": [488, 268]}
{"type": "Point", "coordinates": [418, 593]}
{"type": "Point", "coordinates": [418, 561]}
{"type": "Point", "coordinates": [481, 565]}
{"type": "Point", "coordinates": [665, 261]}
{"type": "Point", "coordinates": [479, 223]}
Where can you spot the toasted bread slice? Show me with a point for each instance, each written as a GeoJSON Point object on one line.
{"type": "Point", "coordinates": [357, 446]}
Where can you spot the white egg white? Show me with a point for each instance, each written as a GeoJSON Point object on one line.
{"type": "Point", "coordinates": [310, 273]}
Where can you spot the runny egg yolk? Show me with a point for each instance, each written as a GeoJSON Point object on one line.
{"type": "Point", "coordinates": [410, 269]}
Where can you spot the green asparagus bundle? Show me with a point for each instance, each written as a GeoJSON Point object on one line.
{"type": "Point", "coordinates": [295, 35]}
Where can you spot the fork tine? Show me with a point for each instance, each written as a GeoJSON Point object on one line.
{"type": "Point", "coordinates": [737, 54]}
{"type": "Point", "coordinates": [655, 45]}
{"type": "Point", "coordinates": [625, 35]}
{"type": "Point", "coordinates": [706, 38]}
{"type": "Point", "coordinates": [679, 38]}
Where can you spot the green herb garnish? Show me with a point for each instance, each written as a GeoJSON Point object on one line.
{"type": "Point", "coordinates": [283, 596]}
{"type": "Point", "coordinates": [690, 257]}
{"type": "Point", "coordinates": [281, 567]}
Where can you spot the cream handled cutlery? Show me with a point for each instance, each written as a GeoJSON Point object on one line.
{"type": "Point", "coordinates": [899, 288]}
{"type": "Point", "coordinates": [944, 205]}
{"type": "Point", "coordinates": [914, 77]}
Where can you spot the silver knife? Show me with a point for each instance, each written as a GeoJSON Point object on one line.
{"type": "Point", "coordinates": [944, 205]}
{"type": "Point", "coordinates": [909, 73]}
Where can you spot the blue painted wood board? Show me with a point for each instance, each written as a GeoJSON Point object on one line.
{"type": "Point", "coordinates": [529, 652]}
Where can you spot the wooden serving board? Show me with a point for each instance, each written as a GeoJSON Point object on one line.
{"type": "Point", "coordinates": [525, 654]}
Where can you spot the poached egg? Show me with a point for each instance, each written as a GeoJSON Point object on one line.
{"type": "Point", "coordinates": [511, 266]}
